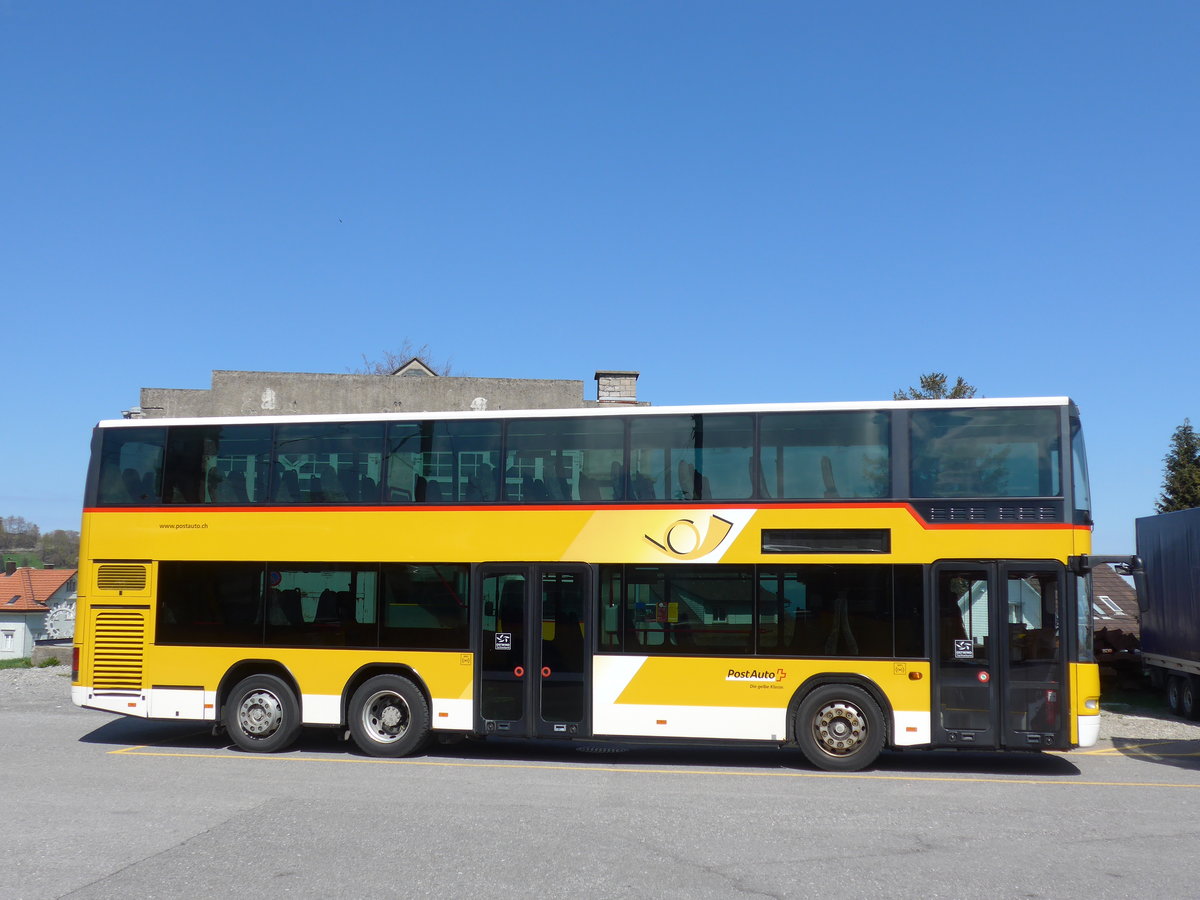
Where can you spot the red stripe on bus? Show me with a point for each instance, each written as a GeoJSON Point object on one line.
{"type": "Point", "coordinates": [579, 507]}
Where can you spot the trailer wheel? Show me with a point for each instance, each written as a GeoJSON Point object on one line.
{"type": "Point", "coordinates": [1189, 698]}
{"type": "Point", "coordinates": [1175, 694]}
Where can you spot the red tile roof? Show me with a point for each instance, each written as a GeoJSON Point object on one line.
{"type": "Point", "coordinates": [28, 589]}
{"type": "Point", "coordinates": [1117, 619]}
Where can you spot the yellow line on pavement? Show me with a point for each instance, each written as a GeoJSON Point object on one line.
{"type": "Point", "coordinates": [1140, 750]}
{"type": "Point", "coordinates": [624, 770]}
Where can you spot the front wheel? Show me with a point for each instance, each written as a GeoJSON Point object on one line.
{"type": "Point", "coordinates": [262, 714]}
{"type": "Point", "coordinates": [839, 728]}
{"type": "Point", "coordinates": [389, 716]}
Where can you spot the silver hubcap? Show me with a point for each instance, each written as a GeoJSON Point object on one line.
{"type": "Point", "coordinates": [385, 716]}
{"type": "Point", "coordinates": [260, 714]}
{"type": "Point", "coordinates": [840, 728]}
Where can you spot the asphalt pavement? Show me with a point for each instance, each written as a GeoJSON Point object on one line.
{"type": "Point", "coordinates": [99, 806]}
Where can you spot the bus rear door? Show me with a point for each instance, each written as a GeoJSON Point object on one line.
{"type": "Point", "coordinates": [1000, 671]}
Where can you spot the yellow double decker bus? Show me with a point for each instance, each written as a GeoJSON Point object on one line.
{"type": "Point", "coordinates": [842, 577]}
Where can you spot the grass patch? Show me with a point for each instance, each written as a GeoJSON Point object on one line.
{"type": "Point", "coordinates": [24, 663]}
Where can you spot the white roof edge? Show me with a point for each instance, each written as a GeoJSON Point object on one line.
{"type": "Point", "coordinates": [593, 411]}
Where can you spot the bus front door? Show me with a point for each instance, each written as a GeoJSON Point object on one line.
{"type": "Point", "coordinates": [1000, 674]}
{"type": "Point", "coordinates": [533, 661]}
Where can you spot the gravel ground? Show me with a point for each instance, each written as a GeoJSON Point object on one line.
{"type": "Point", "coordinates": [28, 687]}
{"type": "Point", "coordinates": [50, 683]}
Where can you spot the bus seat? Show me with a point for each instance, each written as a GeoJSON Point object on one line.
{"type": "Point", "coordinates": [236, 486]}
{"type": "Point", "coordinates": [588, 489]}
{"type": "Point", "coordinates": [133, 484]}
{"type": "Point", "coordinates": [368, 489]}
{"type": "Point", "coordinates": [348, 481]}
{"type": "Point", "coordinates": [617, 478]}
{"type": "Point", "coordinates": [289, 487]}
{"type": "Point", "coordinates": [329, 489]}
{"type": "Point", "coordinates": [643, 487]}
{"type": "Point", "coordinates": [487, 481]}
{"type": "Point", "coordinates": [327, 607]}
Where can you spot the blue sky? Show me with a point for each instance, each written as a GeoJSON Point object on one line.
{"type": "Point", "coordinates": [745, 202]}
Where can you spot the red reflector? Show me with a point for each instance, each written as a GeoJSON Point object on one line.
{"type": "Point", "coordinates": [75, 663]}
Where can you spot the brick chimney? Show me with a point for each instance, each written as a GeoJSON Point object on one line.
{"type": "Point", "coordinates": [617, 388]}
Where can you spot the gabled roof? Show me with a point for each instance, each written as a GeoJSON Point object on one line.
{"type": "Point", "coordinates": [1114, 608]}
{"type": "Point", "coordinates": [28, 589]}
{"type": "Point", "coordinates": [415, 366]}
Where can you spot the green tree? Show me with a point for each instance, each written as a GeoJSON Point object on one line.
{"type": "Point", "coordinates": [1181, 472]}
{"type": "Point", "coordinates": [933, 387]}
{"type": "Point", "coordinates": [18, 534]}
{"type": "Point", "coordinates": [61, 548]}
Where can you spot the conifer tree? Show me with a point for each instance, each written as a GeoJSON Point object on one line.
{"type": "Point", "coordinates": [1181, 472]}
{"type": "Point", "coordinates": [933, 387]}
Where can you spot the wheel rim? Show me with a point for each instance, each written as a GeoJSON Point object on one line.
{"type": "Point", "coordinates": [386, 716]}
{"type": "Point", "coordinates": [840, 728]}
{"type": "Point", "coordinates": [260, 714]}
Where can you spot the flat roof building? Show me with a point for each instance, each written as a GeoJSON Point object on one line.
{"type": "Point", "coordinates": [413, 387]}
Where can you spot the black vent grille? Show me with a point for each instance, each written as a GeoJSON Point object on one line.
{"type": "Point", "coordinates": [120, 643]}
{"type": "Point", "coordinates": [121, 578]}
{"type": "Point", "coordinates": [1027, 514]}
{"type": "Point", "coordinates": [958, 514]}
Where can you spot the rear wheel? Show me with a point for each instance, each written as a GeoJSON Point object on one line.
{"type": "Point", "coordinates": [262, 714]}
{"type": "Point", "coordinates": [1189, 699]}
{"type": "Point", "coordinates": [839, 728]}
{"type": "Point", "coordinates": [389, 716]}
{"type": "Point", "coordinates": [1175, 694]}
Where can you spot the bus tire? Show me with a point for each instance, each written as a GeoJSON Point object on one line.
{"type": "Point", "coordinates": [1175, 694]}
{"type": "Point", "coordinates": [839, 728]}
{"type": "Point", "coordinates": [389, 716]}
{"type": "Point", "coordinates": [262, 714]}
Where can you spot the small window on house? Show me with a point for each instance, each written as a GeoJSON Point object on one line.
{"type": "Point", "coordinates": [1108, 601]}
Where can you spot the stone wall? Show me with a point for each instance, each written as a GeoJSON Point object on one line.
{"type": "Point", "coordinates": [300, 393]}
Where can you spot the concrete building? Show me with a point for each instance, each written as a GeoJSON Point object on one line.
{"type": "Point", "coordinates": [413, 387]}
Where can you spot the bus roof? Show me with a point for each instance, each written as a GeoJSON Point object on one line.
{"type": "Point", "coordinates": [424, 415]}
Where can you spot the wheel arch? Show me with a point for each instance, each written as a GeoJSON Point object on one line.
{"type": "Point", "coordinates": [247, 667]}
{"type": "Point", "coordinates": [850, 678]}
{"type": "Point", "coordinates": [370, 670]}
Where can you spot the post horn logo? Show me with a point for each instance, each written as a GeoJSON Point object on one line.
{"type": "Point", "coordinates": [683, 540]}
